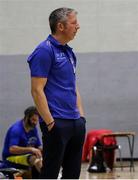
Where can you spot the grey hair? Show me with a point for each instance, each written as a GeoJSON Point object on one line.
{"type": "Point", "coordinates": [59, 15]}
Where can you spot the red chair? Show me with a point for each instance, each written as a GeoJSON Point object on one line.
{"type": "Point", "coordinates": [95, 136]}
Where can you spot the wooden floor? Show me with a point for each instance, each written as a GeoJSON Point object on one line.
{"type": "Point", "coordinates": [116, 174]}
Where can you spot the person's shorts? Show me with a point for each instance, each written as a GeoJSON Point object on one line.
{"type": "Point", "coordinates": [20, 159]}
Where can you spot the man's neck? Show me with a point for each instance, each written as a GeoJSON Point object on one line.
{"type": "Point", "coordinates": [60, 38]}
{"type": "Point", "coordinates": [26, 126]}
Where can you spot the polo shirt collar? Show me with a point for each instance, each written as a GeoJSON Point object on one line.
{"type": "Point", "coordinates": [57, 43]}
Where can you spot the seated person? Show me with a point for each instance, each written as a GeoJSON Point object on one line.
{"type": "Point", "coordinates": [22, 145]}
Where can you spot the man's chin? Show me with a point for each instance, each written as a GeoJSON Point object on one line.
{"type": "Point", "coordinates": [32, 126]}
{"type": "Point", "coordinates": [72, 38]}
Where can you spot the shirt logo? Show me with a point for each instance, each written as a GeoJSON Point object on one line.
{"type": "Point", "coordinates": [60, 55]}
{"type": "Point", "coordinates": [32, 141]}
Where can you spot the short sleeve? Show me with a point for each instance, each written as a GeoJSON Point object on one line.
{"type": "Point", "coordinates": [14, 137]}
{"type": "Point", "coordinates": [40, 62]}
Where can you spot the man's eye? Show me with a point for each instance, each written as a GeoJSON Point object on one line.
{"type": "Point", "coordinates": [74, 23]}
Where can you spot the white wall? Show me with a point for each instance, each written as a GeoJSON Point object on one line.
{"type": "Point", "coordinates": [106, 25]}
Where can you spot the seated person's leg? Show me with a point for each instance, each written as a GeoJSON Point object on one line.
{"type": "Point", "coordinates": [26, 160]}
{"type": "Point", "coordinates": [34, 161]}
{"type": "Point", "coordinates": [19, 159]}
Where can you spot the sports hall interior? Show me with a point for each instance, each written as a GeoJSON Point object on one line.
{"type": "Point", "coordinates": [106, 47]}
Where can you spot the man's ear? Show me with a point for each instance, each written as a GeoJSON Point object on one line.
{"type": "Point", "coordinates": [60, 26]}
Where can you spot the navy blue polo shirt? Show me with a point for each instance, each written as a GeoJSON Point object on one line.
{"type": "Point", "coordinates": [57, 63]}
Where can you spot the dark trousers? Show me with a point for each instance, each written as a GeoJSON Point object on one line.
{"type": "Point", "coordinates": [62, 147]}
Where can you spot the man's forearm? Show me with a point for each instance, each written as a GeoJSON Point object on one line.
{"type": "Point", "coordinates": [20, 150]}
{"type": "Point", "coordinates": [79, 103]}
{"type": "Point", "coordinates": [42, 105]}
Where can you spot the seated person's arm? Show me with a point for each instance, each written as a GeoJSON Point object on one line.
{"type": "Point", "coordinates": [22, 150]}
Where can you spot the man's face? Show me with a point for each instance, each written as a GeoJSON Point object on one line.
{"type": "Point", "coordinates": [33, 120]}
{"type": "Point", "coordinates": [71, 26]}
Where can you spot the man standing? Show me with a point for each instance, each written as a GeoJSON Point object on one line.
{"type": "Point", "coordinates": [54, 90]}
